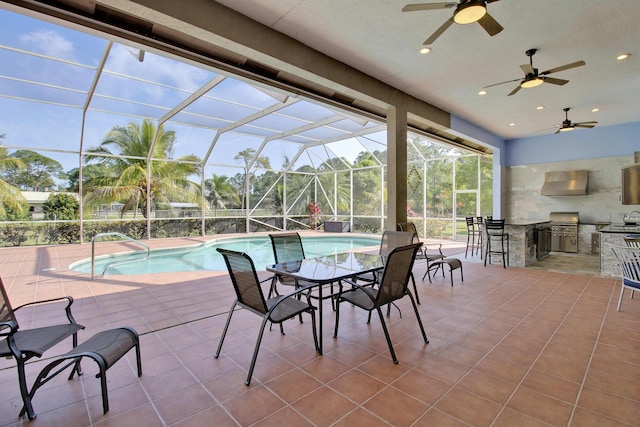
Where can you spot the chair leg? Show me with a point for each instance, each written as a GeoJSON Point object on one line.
{"type": "Point", "coordinates": [415, 288]}
{"type": "Point", "coordinates": [24, 391]}
{"type": "Point", "coordinates": [621, 295]}
{"type": "Point", "coordinates": [226, 326]}
{"type": "Point", "coordinates": [315, 331]}
{"type": "Point", "coordinates": [272, 289]}
{"type": "Point", "coordinates": [415, 309]}
{"type": "Point", "coordinates": [467, 250]}
{"type": "Point", "coordinates": [76, 368]}
{"type": "Point", "coordinates": [255, 351]}
{"type": "Point", "coordinates": [487, 253]}
{"type": "Point", "coordinates": [386, 334]}
{"type": "Point", "coordinates": [337, 314]}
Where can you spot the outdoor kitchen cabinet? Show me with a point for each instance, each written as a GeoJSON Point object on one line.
{"type": "Point", "coordinates": [613, 235]}
{"type": "Point", "coordinates": [523, 242]}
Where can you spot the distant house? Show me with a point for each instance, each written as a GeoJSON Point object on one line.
{"type": "Point", "coordinates": [36, 201]}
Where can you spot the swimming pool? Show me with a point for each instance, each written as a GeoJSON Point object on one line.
{"type": "Point", "coordinates": [205, 256]}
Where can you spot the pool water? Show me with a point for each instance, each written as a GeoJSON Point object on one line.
{"type": "Point", "coordinates": [205, 256]}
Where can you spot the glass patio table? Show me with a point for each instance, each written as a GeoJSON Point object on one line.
{"type": "Point", "coordinates": [326, 270]}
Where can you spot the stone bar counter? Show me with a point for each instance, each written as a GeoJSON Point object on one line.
{"type": "Point", "coordinates": [522, 242]}
{"type": "Point", "coordinates": [613, 234]}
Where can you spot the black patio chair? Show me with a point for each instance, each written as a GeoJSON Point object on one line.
{"type": "Point", "coordinates": [389, 241]}
{"type": "Point", "coordinates": [24, 344]}
{"type": "Point", "coordinates": [394, 285]}
{"type": "Point", "coordinates": [424, 253]}
{"type": "Point", "coordinates": [288, 247]}
{"type": "Point", "coordinates": [249, 296]}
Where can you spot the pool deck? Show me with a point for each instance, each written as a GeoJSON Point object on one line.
{"type": "Point", "coordinates": [507, 347]}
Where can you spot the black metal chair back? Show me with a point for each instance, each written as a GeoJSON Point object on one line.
{"type": "Point", "coordinates": [246, 283]}
{"type": "Point", "coordinates": [410, 227]}
{"type": "Point", "coordinates": [393, 239]}
{"type": "Point", "coordinates": [287, 247]}
{"type": "Point", "coordinates": [6, 312]}
{"type": "Point", "coordinates": [394, 283]}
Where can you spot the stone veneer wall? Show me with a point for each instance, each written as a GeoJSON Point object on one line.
{"type": "Point", "coordinates": [608, 261]}
{"type": "Point", "coordinates": [523, 201]}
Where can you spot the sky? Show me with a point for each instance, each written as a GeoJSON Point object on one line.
{"type": "Point", "coordinates": [47, 71]}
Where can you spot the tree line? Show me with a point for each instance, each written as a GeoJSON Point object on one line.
{"type": "Point", "coordinates": [135, 163]}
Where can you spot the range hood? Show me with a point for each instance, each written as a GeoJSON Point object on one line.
{"type": "Point", "coordinates": [565, 183]}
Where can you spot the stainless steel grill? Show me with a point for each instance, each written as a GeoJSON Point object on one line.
{"type": "Point", "coordinates": [564, 231]}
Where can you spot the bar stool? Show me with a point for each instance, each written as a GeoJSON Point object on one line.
{"type": "Point", "coordinates": [474, 237]}
{"type": "Point", "coordinates": [496, 238]}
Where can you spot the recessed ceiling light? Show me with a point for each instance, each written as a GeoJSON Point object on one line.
{"type": "Point", "coordinates": [482, 92]}
{"type": "Point", "coordinates": [540, 107]}
{"type": "Point", "coordinates": [425, 50]}
{"type": "Point", "coordinates": [595, 110]}
{"type": "Point", "coordinates": [623, 56]}
{"type": "Point", "coordinates": [512, 124]}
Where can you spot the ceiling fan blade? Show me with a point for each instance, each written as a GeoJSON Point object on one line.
{"type": "Point", "coordinates": [555, 81]}
{"type": "Point", "coordinates": [438, 32]}
{"type": "Point", "coordinates": [558, 131]}
{"type": "Point", "coordinates": [428, 6]}
{"type": "Point", "coordinates": [513, 92]}
{"type": "Point", "coordinates": [563, 67]}
{"type": "Point", "coordinates": [527, 69]}
{"type": "Point", "coordinates": [580, 125]}
{"type": "Point", "coordinates": [490, 25]}
{"type": "Point", "coordinates": [586, 124]}
{"type": "Point", "coordinates": [501, 83]}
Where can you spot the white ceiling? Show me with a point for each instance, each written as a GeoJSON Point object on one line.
{"type": "Point", "coordinates": [376, 37]}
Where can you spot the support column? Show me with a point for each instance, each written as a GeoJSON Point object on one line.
{"type": "Point", "coordinates": [397, 165]}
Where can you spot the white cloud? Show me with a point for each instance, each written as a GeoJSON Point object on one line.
{"type": "Point", "coordinates": [49, 43]}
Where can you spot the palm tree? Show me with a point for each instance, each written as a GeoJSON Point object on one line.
{"type": "Point", "coordinates": [11, 199]}
{"type": "Point", "coordinates": [125, 151]}
{"type": "Point", "coordinates": [220, 191]}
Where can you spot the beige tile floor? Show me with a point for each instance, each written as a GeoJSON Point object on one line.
{"type": "Point", "coordinates": [515, 346]}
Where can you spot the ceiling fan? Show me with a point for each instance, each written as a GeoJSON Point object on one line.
{"type": "Point", "coordinates": [533, 78]}
{"type": "Point", "coordinates": [467, 12]}
{"type": "Point", "coordinates": [567, 125]}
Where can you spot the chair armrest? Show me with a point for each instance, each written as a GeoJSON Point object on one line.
{"type": "Point", "coordinates": [67, 308]}
{"type": "Point", "coordinates": [268, 278]}
{"type": "Point", "coordinates": [366, 289]}
{"type": "Point", "coordinates": [8, 324]}
{"type": "Point", "coordinates": [302, 290]}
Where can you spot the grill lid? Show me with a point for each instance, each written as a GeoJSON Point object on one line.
{"type": "Point", "coordinates": [561, 218]}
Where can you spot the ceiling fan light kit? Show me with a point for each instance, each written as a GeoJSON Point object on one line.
{"type": "Point", "coordinates": [533, 78]}
{"type": "Point", "coordinates": [568, 126]}
{"type": "Point", "coordinates": [529, 83]}
{"type": "Point", "coordinates": [467, 13]}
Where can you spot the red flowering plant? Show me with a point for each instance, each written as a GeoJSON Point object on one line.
{"type": "Point", "coordinates": [314, 215]}
{"type": "Point", "coordinates": [410, 212]}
